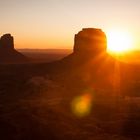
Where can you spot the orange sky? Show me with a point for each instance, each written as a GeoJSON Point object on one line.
{"type": "Point", "coordinates": [53, 23]}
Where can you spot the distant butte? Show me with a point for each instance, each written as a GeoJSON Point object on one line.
{"type": "Point", "coordinates": [8, 54]}
{"type": "Point", "coordinates": [90, 40]}
{"type": "Point", "coordinates": [90, 59]}
{"type": "Point", "coordinates": [89, 43]}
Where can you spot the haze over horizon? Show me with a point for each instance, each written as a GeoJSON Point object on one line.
{"type": "Point", "coordinates": [52, 23]}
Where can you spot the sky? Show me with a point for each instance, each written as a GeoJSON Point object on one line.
{"type": "Point", "coordinates": [53, 23]}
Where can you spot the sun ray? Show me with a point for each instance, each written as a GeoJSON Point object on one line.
{"type": "Point", "coordinates": [119, 41]}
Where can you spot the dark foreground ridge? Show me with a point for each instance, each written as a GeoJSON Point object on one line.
{"type": "Point", "coordinates": [87, 95]}
{"type": "Point", "coordinates": [8, 54]}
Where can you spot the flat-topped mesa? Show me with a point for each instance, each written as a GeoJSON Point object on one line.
{"type": "Point", "coordinates": [90, 41]}
{"type": "Point", "coordinates": [7, 42]}
{"type": "Point", "coordinates": [8, 54]}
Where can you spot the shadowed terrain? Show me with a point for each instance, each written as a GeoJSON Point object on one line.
{"type": "Point", "coordinates": [45, 55]}
{"type": "Point", "coordinates": [86, 95]}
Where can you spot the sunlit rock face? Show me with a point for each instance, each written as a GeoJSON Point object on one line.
{"type": "Point", "coordinates": [90, 41]}
{"type": "Point", "coordinates": [7, 52]}
{"type": "Point", "coordinates": [7, 42]}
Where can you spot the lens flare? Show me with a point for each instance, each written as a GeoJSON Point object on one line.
{"type": "Point", "coordinates": [81, 105]}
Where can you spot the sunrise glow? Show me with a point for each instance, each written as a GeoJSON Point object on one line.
{"type": "Point", "coordinates": [119, 41]}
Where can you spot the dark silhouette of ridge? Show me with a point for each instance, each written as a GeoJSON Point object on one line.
{"type": "Point", "coordinates": [90, 41]}
{"type": "Point", "coordinates": [8, 54]}
{"type": "Point", "coordinates": [44, 101]}
{"type": "Point", "coordinates": [89, 44]}
{"type": "Point", "coordinates": [90, 49]}
{"type": "Point", "coordinates": [90, 59]}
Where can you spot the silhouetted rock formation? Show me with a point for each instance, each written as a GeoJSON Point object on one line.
{"type": "Point", "coordinates": [91, 60]}
{"type": "Point", "coordinates": [7, 42]}
{"type": "Point", "coordinates": [90, 41]}
{"type": "Point", "coordinates": [88, 44]}
{"type": "Point", "coordinates": [7, 52]}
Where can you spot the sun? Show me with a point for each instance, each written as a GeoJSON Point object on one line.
{"type": "Point", "coordinates": [119, 41]}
